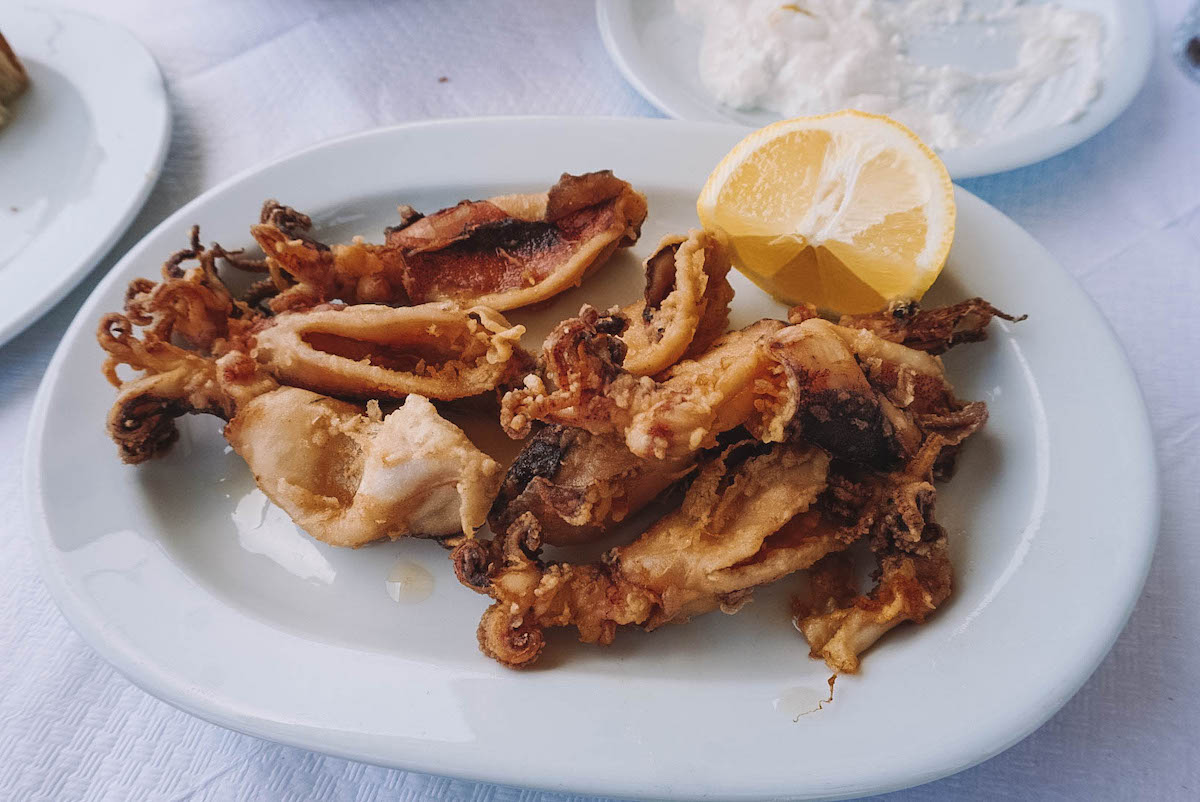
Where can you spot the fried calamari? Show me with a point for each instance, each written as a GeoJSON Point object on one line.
{"type": "Point", "coordinates": [769, 451]}
{"type": "Point", "coordinates": [505, 252]}
{"type": "Point", "coordinates": [348, 474]}
{"type": "Point", "coordinates": [685, 564]}
{"type": "Point", "coordinates": [931, 330]}
{"type": "Point", "coordinates": [914, 572]}
{"type": "Point", "coordinates": [872, 421]}
{"type": "Point", "coordinates": [192, 303]}
{"type": "Point", "coordinates": [837, 387]}
{"type": "Point", "coordinates": [175, 382]}
{"type": "Point", "coordinates": [366, 351]}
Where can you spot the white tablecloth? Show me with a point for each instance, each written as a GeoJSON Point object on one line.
{"type": "Point", "coordinates": [253, 80]}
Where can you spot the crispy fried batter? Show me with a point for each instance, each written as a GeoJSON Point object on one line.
{"type": "Point", "coordinates": [686, 303]}
{"type": "Point", "coordinates": [368, 351]}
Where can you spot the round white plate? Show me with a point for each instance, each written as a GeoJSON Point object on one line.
{"type": "Point", "coordinates": [657, 51]}
{"type": "Point", "coordinates": [80, 156]}
{"type": "Point", "coordinates": [177, 573]}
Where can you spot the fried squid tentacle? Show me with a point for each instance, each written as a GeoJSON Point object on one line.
{"type": "Point", "coordinates": [910, 587]}
{"type": "Point", "coordinates": [578, 484]}
{"type": "Point", "coordinates": [576, 377]}
{"type": "Point", "coordinates": [349, 477]}
{"type": "Point", "coordinates": [914, 573]}
{"type": "Point", "coordinates": [192, 304]}
{"type": "Point", "coordinates": [686, 303]}
{"type": "Point", "coordinates": [504, 252]}
{"type": "Point", "coordinates": [369, 351]}
{"type": "Point", "coordinates": [306, 272]}
{"type": "Point", "coordinates": [175, 382]}
{"type": "Point", "coordinates": [673, 571]}
{"type": "Point", "coordinates": [934, 331]}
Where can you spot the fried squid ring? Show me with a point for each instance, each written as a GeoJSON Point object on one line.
{"type": "Point", "coordinates": [686, 303]}
{"type": "Point", "coordinates": [367, 351]}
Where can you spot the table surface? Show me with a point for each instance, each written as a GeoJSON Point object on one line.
{"type": "Point", "coordinates": [252, 81]}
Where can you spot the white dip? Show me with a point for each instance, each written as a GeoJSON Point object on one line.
{"type": "Point", "coordinates": [955, 71]}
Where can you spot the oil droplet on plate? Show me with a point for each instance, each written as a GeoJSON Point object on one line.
{"type": "Point", "coordinates": [800, 701]}
{"type": "Point", "coordinates": [409, 583]}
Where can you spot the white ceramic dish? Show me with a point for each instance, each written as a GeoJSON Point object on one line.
{"type": "Point", "coordinates": [1052, 514]}
{"type": "Point", "coordinates": [78, 159]}
{"type": "Point", "coordinates": [657, 53]}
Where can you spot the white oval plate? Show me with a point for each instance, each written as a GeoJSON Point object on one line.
{"type": "Point", "coordinates": [79, 157]}
{"type": "Point", "coordinates": [1052, 516]}
{"type": "Point", "coordinates": [657, 51]}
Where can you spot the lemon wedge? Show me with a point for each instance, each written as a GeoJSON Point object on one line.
{"type": "Point", "coordinates": [847, 211]}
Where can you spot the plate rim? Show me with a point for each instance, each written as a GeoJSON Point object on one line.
{"type": "Point", "coordinates": [53, 292]}
{"type": "Point", "coordinates": [962, 163]}
{"type": "Point", "coordinates": [174, 690]}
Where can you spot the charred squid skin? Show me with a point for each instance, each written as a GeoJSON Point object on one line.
{"type": "Point", "coordinates": [541, 457]}
{"type": "Point", "coordinates": [850, 426]}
